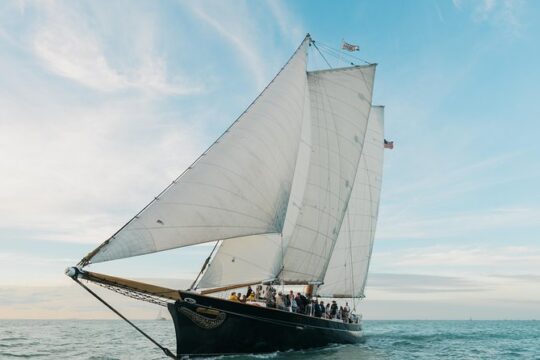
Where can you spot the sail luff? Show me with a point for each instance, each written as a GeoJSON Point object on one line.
{"type": "Point", "coordinates": [261, 200]}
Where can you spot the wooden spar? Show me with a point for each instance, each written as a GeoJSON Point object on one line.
{"type": "Point", "coordinates": [236, 286]}
{"type": "Point", "coordinates": [229, 287]}
{"type": "Point", "coordinates": [150, 289]}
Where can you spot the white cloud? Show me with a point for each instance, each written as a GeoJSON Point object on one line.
{"type": "Point", "coordinates": [245, 27]}
{"type": "Point", "coordinates": [78, 172]}
{"type": "Point", "coordinates": [460, 260]}
{"type": "Point", "coordinates": [403, 225]}
{"type": "Point", "coordinates": [502, 13]}
{"type": "Point", "coordinates": [288, 26]}
{"type": "Point", "coordinates": [67, 45]}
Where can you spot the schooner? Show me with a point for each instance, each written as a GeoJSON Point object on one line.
{"type": "Point", "coordinates": [289, 193]}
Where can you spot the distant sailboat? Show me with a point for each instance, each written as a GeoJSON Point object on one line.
{"type": "Point", "coordinates": [160, 316]}
{"type": "Point", "coordinates": [290, 193]}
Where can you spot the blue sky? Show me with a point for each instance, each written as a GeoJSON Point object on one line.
{"type": "Point", "coordinates": [103, 104]}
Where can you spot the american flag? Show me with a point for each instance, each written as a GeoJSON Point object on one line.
{"type": "Point", "coordinates": [349, 47]}
{"type": "Point", "coordinates": [388, 144]}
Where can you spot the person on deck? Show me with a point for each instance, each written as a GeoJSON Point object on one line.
{"type": "Point", "coordinates": [325, 310]}
{"type": "Point", "coordinates": [249, 291]}
{"type": "Point", "coordinates": [345, 313]}
{"type": "Point", "coordinates": [258, 291]}
{"type": "Point", "coordinates": [309, 309]}
{"type": "Point", "coordinates": [251, 297]}
{"type": "Point", "coordinates": [270, 301]}
{"type": "Point", "coordinates": [233, 297]}
{"type": "Point", "coordinates": [280, 302]}
{"type": "Point", "coordinates": [294, 305]}
{"type": "Point", "coordinates": [300, 306]}
{"type": "Point", "coordinates": [333, 309]}
{"type": "Point", "coordinates": [318, 308]}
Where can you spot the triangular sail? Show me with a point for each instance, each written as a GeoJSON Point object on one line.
{"type": "Point", "coordinates": [239, 187]}
{"type": "Point", "coordinates": [247, 259]}
{"type": "Point", "coordinates": [258, 258]}
{"type": "Point", "coordinates": [348, 267]}
{"type": "Point", "coordinates": [340, 101]}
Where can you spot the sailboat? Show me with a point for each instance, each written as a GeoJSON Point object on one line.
{"type": "Point", "coordinates": [160, 316]}
{"type": "Point", "coordinates": [289, 194]}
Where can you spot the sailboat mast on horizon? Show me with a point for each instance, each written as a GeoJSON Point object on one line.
{"type": "Point", "coordinates": [289, 194]}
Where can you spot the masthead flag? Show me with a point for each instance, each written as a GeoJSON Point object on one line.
{"type": "Point", "coordinates": [349, 47]}
{"type": "Point", "coordinates": [388, 144]}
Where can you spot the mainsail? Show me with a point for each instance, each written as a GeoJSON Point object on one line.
{"type": "Point", "coordinates": [239, 187]}
{"type": "Point", "coordinates": [347, 271]}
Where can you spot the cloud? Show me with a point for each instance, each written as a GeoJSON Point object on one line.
{"type": "Point", "coordinates": [78, 172]}
{"type": "Point", "coordinates": [414, 283]}
{"type": "Point", "coordinates": [247, 28]}
{"type": "Point", "coordinates": [289, 26]}
{"type": "Point", "coordinates": [411, 226]}
{"type": "Point", "coordinates": [465, 260]}
{"type": "Point", "coordinates": [68, 46]}
{"type": "Point", "coordinates": [504, 14]}
{"type": "Point", "coordinates": [70, 301]}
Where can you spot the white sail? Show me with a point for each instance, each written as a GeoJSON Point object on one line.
{"type": "Point", "coordinates": [239, 187]}
{"type": "Point", "coordinates": [242, 260]}
{"type": "Point", "coordinates": [340, 102]}
{"type": "Point", "coordinates": [258, 258]}
{"type": "Point", "coordinates": [347, 271]}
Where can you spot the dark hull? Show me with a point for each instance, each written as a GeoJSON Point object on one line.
{"type": "Point", "coordinates": [209, 326]}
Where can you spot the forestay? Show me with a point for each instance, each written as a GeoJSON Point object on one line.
{"type": "Point", "coordinates": [239, 187]}
{"type": "Point", "coordinates": [348, 267]}
{"type": "Point", "coordinates": [340, 101]}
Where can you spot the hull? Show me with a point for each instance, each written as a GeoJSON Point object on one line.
{"type": "Point", "coordinates": [207, 326]}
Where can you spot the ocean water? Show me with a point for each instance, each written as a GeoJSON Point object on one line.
{"type": "Point", "coordinates": [114, 339]}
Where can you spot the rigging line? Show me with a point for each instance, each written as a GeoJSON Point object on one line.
{"type": "Point", "coordinates": [164, 349]}
{"type": "Point", "coordinates": [316, 47]}
{"type": "Point", "coordinates": [338, 56]}
{"type": "Point", "coordinates": [206, 262]}
{"type": "Point", "coordinates": [350, 250]}
{"type": "Point", "coordinates": [330, 48]}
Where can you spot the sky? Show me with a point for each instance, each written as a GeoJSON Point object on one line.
{"type": "Point", "coordinates": [103, 104]}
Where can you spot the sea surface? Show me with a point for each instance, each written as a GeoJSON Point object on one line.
{"type": "Point", "coordinates": [114, 339]}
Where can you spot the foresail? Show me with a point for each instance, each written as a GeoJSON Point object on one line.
{"type": "Point", "coordinates": [242, 260]}
{"type": "Point", "coordinates": [340, 102]}
{"type": "Point", "coordinates": [348, 267]}
{"type": "Point", "coordinates": [239, 187]}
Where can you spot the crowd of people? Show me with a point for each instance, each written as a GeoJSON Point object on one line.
{"type": "Point", "coordinates": [298, 303]}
